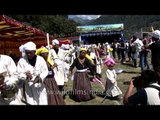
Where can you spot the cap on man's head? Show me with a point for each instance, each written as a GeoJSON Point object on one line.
{"type": "Point", "coordinates": [30, 46]}
{"type": "Point", "coordinates": [55, 42]}
{"type": "Point", "coordinates": [156, 34]}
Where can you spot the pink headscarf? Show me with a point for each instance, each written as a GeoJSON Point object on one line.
{"type": "Point", "coordinates": [109, 61]}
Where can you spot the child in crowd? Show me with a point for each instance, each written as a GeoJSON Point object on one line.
{"type": "Point", "coordinates": [111, 88]}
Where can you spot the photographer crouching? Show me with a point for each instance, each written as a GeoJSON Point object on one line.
{"type": "Point", "coordinates": [147, 90]}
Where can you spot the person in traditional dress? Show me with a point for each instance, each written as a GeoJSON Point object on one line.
{"type": "Point", "coordinates": [67, 61]}
{"type": "Point", "coordinates": [32, 69]}
{"type": "Point", "coordinates": [54, 95]}
{"type": "Point", "coordinates": [82, 90]}
{"type": "Point", "coordinates": [8, 82]}
{"type": "Point", "coordinates": [58, 56]}
{"type": "Point", "coordinates": [111, 89]}
{"type": "Point", "coordinates": [97, 60]}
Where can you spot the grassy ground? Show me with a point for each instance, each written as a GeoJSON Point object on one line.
{"type": "Point", "coordinates": [128, 73]}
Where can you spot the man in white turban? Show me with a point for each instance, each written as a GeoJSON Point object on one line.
{"type": "Point", "coordinates": [156, 34]}
{"type": "Point", "coordinates": [32, 69]}
{"type": "Point", "coordinates": [8, 82]}
{"type": "Point", "coordinates": [55, 42]}
{"type": "Point", "coordinates": [58, 55]}
{"type": "Point", "coordinates": [28, 45]}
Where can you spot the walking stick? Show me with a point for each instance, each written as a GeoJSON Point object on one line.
{"type": "Point", "coordinates": [104, 98]}
{"type": "Point", "coordinates": [48, 40]}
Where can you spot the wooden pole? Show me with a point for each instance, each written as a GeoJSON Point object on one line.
{"type": "Point", "coordinates": [48, 40]}
{"type": "Point", "coordinates": [152, 30]}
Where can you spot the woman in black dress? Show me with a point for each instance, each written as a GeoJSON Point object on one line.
{"type": "Point", "coordinates": [82, 90]}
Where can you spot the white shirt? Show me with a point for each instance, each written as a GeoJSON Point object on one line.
{"type": "Point", "coordinates": [138, 44]}
{"type": "Point", "coordinates": [34, 95]}
{"type": "Point", "coordinates": [153, 97]}
{"type": "Point", "coordinates": [112, 89]}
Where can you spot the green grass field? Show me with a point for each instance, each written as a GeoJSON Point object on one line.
{"type": "Point", "coordinates": [121, 77]}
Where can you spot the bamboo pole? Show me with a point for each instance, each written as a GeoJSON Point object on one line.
{"type": "Point", "coordinates": [48, 40]}
{"type": "Point", "coordinates": [152, 29]}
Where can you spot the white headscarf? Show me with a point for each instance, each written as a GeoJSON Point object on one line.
{"type": "Point", "coordinates": [22, 50]}
{"type": "Point", "coordinates": [55, 42]}
{"type": "Point", "coordinates": [30, 46]}
{"type": "Point", "coordinates": [156, 34]}
{"type": "Point", "coordinates": [67, 46]}
{"type": "Point", "coordinates": [2, 69]}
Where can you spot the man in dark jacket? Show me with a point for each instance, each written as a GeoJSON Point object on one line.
{"type": "Point", "coordinates": [155, 50]}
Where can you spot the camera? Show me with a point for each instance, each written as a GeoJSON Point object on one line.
{"type": "Point", "coordinates": [136, 82]}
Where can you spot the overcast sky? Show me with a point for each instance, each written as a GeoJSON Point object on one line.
{"type": "Point", "coordinates": [89, 17]}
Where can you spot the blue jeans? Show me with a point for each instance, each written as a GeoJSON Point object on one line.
{"type": "Point", "coordinates": [144, 60]}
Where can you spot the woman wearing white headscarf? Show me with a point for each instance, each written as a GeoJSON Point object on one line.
{"type": "Point", "coordinates": [33, 70]}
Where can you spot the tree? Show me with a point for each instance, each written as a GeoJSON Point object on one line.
{"type": "Point", "coordinates": [58, 25]}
